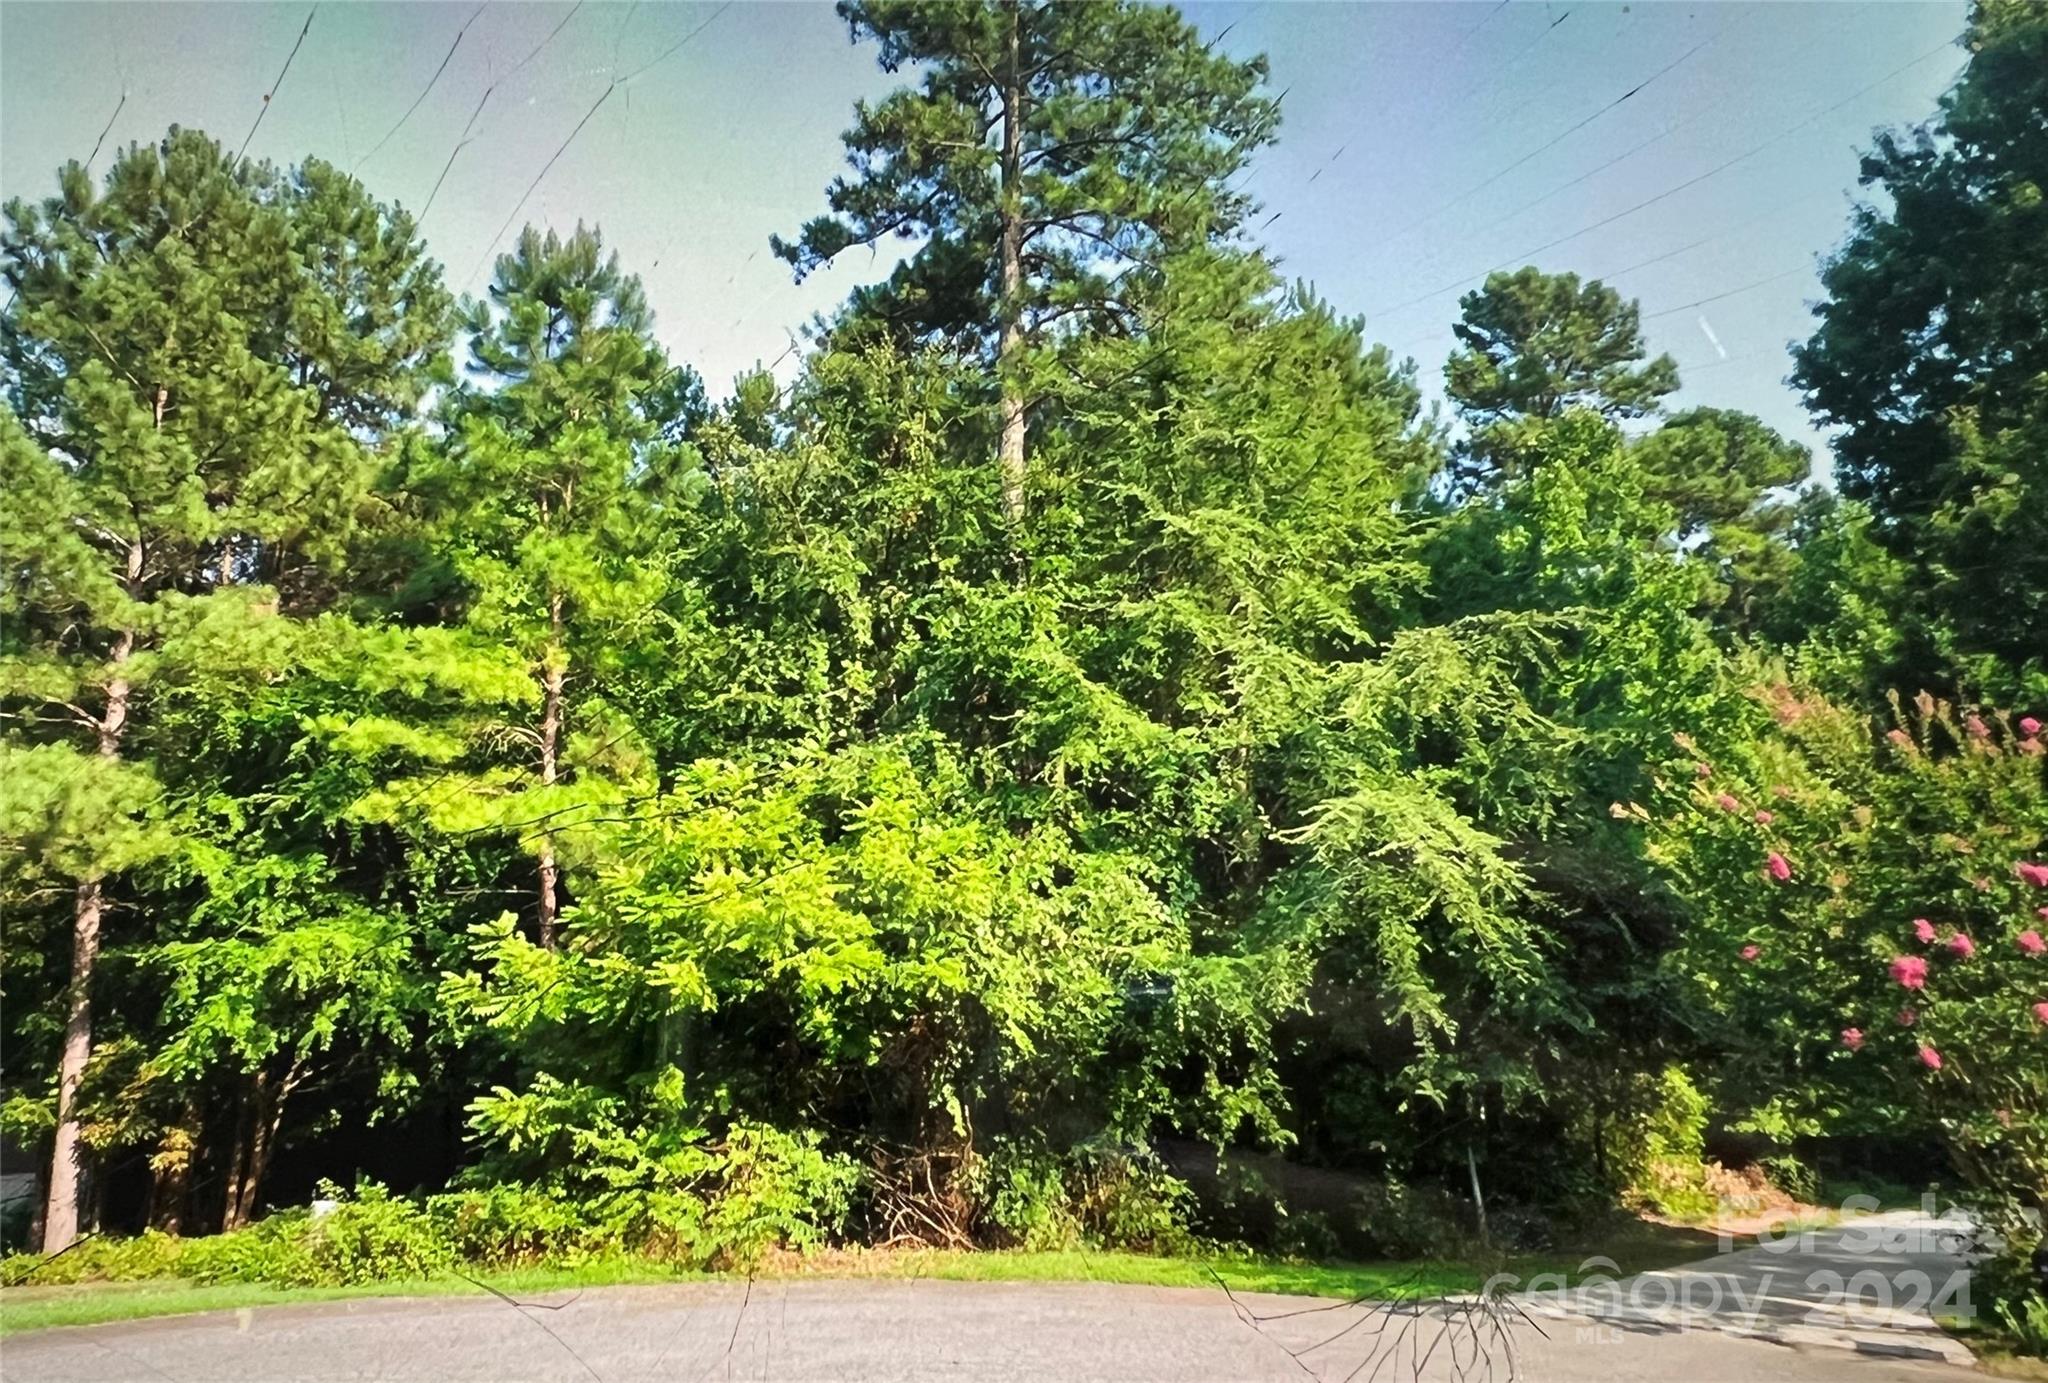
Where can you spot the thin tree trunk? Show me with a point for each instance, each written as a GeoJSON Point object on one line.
{"type": "Point", "coordinates": [1010, 310]}
{"type": "Point", "coordinates": [238, 1157]}
{"type": "Point", "coordinates": [61, 1210]}
{"type": "Point", "coordinates": [171, 1170]}
{"type": "Point", "coordinates": [550, 740]}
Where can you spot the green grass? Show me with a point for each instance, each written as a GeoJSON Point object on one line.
{"type": "Point", "coordinates": [95, 1303]}
{"type": "Point", "coordinates": [1633, 1249]}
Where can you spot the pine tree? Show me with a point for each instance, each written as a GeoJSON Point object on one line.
{"type": "Point", "coordinates": [1048, 152]}
{"type": "Point", "coordinates": [1533, 345]}
{"type": "Point", "coordinates": [539, 506]}
{"type": "Point", "coordinates": [183, 430]}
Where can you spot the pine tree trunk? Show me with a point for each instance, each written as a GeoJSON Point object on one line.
{"type": "Point", "coordinates": [1010, 310]}
{"type": "Point", "coordinates": [67, 1172]}
{"type": "Point", "coordinates": [60, 1215]}
{"type": "Point", "coordinates": [550, 741]}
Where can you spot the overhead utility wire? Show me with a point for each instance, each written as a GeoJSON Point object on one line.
{"type": "Point", "coordinates": [1673, 191]}
{"type": "Point", "coordinates": [274, 86]}
{"type": "Point", "coordinates": [603, 96]}
{"type": "Point", "coordinates": [462, 140]}
{"type": "Point", "coordinates": [106, 127]}
{"type": "Point", "coordinates": [1554, 141]}
{"type": "Point", "coordinates": [425, 91]}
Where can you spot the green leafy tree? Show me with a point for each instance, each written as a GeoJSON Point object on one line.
{"type": "Point", "coordinates": [1534, 345]}
{"type": "Point", "coordinates": [1048, 153]}
{"type": "Point", "coordinates": [1718, 469]}
{"type": "Point", "coordinates": [181, 428]}
{"type": "Point", "coordinates": [1930, 358]}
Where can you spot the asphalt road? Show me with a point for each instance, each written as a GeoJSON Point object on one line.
{"type": "Point", "coordinates": [906, 1332]}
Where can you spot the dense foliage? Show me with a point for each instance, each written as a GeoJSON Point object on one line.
{"type": "Point", "coordinates": [442, 747]}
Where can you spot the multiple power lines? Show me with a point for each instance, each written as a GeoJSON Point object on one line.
{"type": "Point", "coordinates": [1468, 35]}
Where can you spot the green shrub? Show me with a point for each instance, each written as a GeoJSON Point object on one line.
{"type": "Point", "coordinates": [1792, 1176]}
{"type": "Point", "coordinates": [147, 1255]}
{"type": "Point", "coordinates": [1397, 1220]}
{"type": "Point", "coordinates": [2025, 1319]}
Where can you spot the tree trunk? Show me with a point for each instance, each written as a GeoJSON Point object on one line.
{"type": "Point", "coordinates": [550, 741]}
{"type": "Point", "coordinates": [255, 1137]}
{"type": "Point", "coordinates": [60, 1216]}
{"type": "Point", "coordinates": [238, 1156]}
{"type": "Point", "coordinates": [61, 1210]}
{"type": "Point", "coordinates": [171, 1170]}
{"type": "Point", "coordinates": [1010, 309]}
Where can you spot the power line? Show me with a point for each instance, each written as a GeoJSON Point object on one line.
{"type": "Point", "coordinates": [462, 140]}
{"type": "Point", "coordinates": [425, 91]}
{"type": "Point", "coordinates": [1557, 139]}
{"type": "Point", "coordinates": [595, 106]}
{"type": "Point", "coordinates": [1673, 191]}
{"type": "Point", "coordinates": [1730, 293]}
{"type": "Point", "coordinates": [274, 86]}
{"type": "Point", "coordinates": [105, 128]}
{"type": "Point", "coordinates": [1429, 93]}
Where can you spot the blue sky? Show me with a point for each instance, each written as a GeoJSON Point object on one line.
{"type": "Point", "coordinates": [1422, 143]}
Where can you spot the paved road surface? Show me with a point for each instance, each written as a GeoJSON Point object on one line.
{"type": "Point", "coordinates": [1871, 1286]}
{"type": "Point", "coordinates": [925, 1331]}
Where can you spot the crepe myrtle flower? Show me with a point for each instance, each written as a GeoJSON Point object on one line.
{"type": "Point", "coordinates": [1907, 1017]}
{"type": "Point", "coordinates": [1852, 1038]}
{"type": "Point", "coordinates": [1930, 1058]}
{"type": "Point", "coordinates": [1727, 803]}
{"type": "Point", "coordinates": [1777, 866]}
{"type": "Point", "coordinates": [1764, 818]}
{"type": "Point", "coordinates": [1923, 929]}
{"type": "Point", "coordinates": [2030, 942]}
{"type": "Point", "coordinates": [1910, 972]}
{"type": "Point", "coordinates": [2035, 874]}
{"type": "Point", "coordinates": [1751, 952]}
{"type": "Point", "coordinates": [2029, 726]}
{"type": "Point", "coordinates": [1961, 944]}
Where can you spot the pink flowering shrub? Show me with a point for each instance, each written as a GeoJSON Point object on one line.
{"type": "Point", "coordinates": [1899, 947]}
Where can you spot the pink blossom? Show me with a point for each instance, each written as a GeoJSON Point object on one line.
{"type": "Point", "coordinates": [1930, 1058]}
{"type": "Point", "coordinates": [2041, 1011]}
{"type": "Point", "coordinates": [2041, 913]}
{"type": "Point", "coordinates": [2035, 874]}
{"type": "Point", "coordinates": [2030, 942]}
{"type": "Point", "coordinates": [1900, 738]}
{"type": "Point", "coordinates": [1727, 803]}
{"type": "Point", "coordinates": [1752, 952]}
{"type": "Point", "coordinates": [1910, 972]}
{"type": "Point", "coordinates": [1781, 791]}
{"type": "Point", "coordinates": [1923, 929]}
{"type": "Point", "coordinates": [1978, 728]}
{"type": "Point", "coordinates": [2029, 726]}
{"type": "Point", "coordinates": [1852, 1038]}
{"type": "Point", "coordinates": [1907, 1017]}
{"type": "Point", "coordinates": [1777, 866]}
{"type": "Point", "coordinates": [1961, 944]}
{"type": "Point", "coordinates": [1764, 818]}
{"type": "Point", "coordinates": [1703, 769]}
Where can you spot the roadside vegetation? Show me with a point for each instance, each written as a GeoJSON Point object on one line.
{"type": "Point", "coordinates": [1088, 772]}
